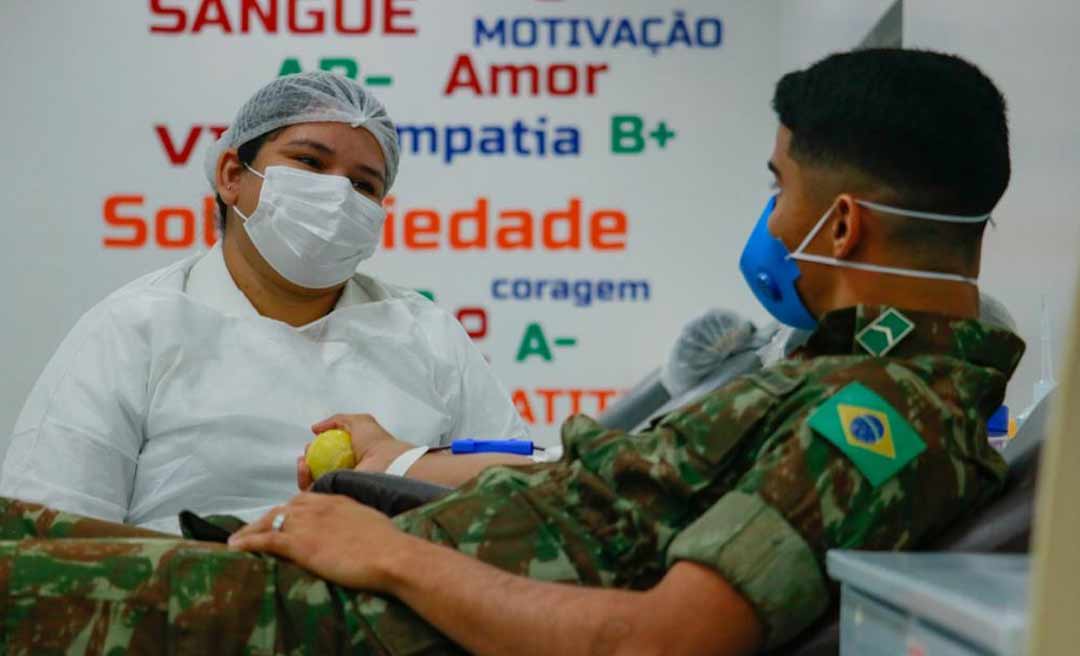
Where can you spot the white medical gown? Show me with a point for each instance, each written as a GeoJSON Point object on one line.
{"type": "Point", "coordinates": [173, 393]}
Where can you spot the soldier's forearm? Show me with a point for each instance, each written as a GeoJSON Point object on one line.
{"type": "Point", "coordinates": [489, 611]}
{"type": "Point", "coordinates": [445, 468]}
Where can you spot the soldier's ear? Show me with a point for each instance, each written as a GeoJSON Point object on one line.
{"type": "Point", "coordinates": [847, 227]}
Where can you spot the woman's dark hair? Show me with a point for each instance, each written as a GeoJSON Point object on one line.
{"type": "Point", "coordinates": [247, 152]}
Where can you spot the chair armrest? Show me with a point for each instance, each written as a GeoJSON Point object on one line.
{"type": "Point", "coordinates": [388, 494]}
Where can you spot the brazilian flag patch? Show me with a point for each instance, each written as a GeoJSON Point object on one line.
{"type": "Point", "coordinates": [870, 432]}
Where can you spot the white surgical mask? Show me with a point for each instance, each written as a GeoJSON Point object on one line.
{"type": "Point", "coordinates": [313, 229]}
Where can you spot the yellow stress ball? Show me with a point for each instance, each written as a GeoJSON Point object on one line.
{"type": "Point", "coordinates": [331, 450]}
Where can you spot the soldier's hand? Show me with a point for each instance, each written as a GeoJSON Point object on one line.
{"type": "Point", "coordinates": [330, 535]}
{"type": "Point", "coordinates": [304, 479]}
{"type": "Point", "coordinates": [373, 446]}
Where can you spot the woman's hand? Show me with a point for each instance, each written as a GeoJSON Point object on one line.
{"type": "Point", "coordinates": [331, 536]}
{"type": "Point", "coordinates": [373, 447]}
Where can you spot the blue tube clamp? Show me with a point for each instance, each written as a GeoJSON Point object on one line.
{"type": "Point", "coordinates": [519, 447]}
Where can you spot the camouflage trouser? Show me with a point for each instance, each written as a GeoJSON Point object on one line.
{"type": "Point", "coordinates": [68, 583]}
{"type": "Point", "coordinates": [75, 585]}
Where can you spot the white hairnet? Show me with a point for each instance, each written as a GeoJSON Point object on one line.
{"type": "Point", "coordinates": [315, 96]}
{"type": "Point", "coordinates": [705, 342]}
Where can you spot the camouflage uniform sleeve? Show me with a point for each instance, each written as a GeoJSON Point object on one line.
{"type": "Point", "coordinates": [756, 550]}
{"type": "Point", "coordinates": [803, 496]}
{"type": "Point", "coordinates": [687, 451]}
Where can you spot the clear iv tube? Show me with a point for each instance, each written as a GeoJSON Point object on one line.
{"type": "Point", "coordinates": [1046, 381]}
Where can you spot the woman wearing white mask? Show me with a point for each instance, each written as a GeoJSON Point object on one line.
{"type": "Point", "coordinates": [194, 386]}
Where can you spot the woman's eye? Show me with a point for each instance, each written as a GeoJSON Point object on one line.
{"type": "Point", "coordinates": [309, 161]}
{"type": "Point", "coordinates": [363, 186]}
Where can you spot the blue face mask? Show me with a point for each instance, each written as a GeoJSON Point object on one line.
{"type": "Point", "coordinates": [767, 266]}
{"type": "Point", "coordinates": [771, 270]}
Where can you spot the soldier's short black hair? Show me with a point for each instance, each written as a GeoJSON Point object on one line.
{"type": "Point", "coordinates": [930, 127]}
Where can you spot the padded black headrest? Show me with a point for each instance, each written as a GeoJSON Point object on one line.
{"type": "Point", "coordinates": [1005, 525]}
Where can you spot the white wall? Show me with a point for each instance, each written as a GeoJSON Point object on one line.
{"type": "Point", "coordinates": [811, 29]}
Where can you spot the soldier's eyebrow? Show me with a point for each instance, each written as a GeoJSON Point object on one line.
{"type": "Point", "coordinates": [772, 167]}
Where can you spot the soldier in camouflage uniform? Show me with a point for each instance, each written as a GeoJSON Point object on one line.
{"type": "Point", "coordinates": [706, 533]}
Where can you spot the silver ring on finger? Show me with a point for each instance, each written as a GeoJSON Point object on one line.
{"type": "Point", "coordinates": [278, 524]}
